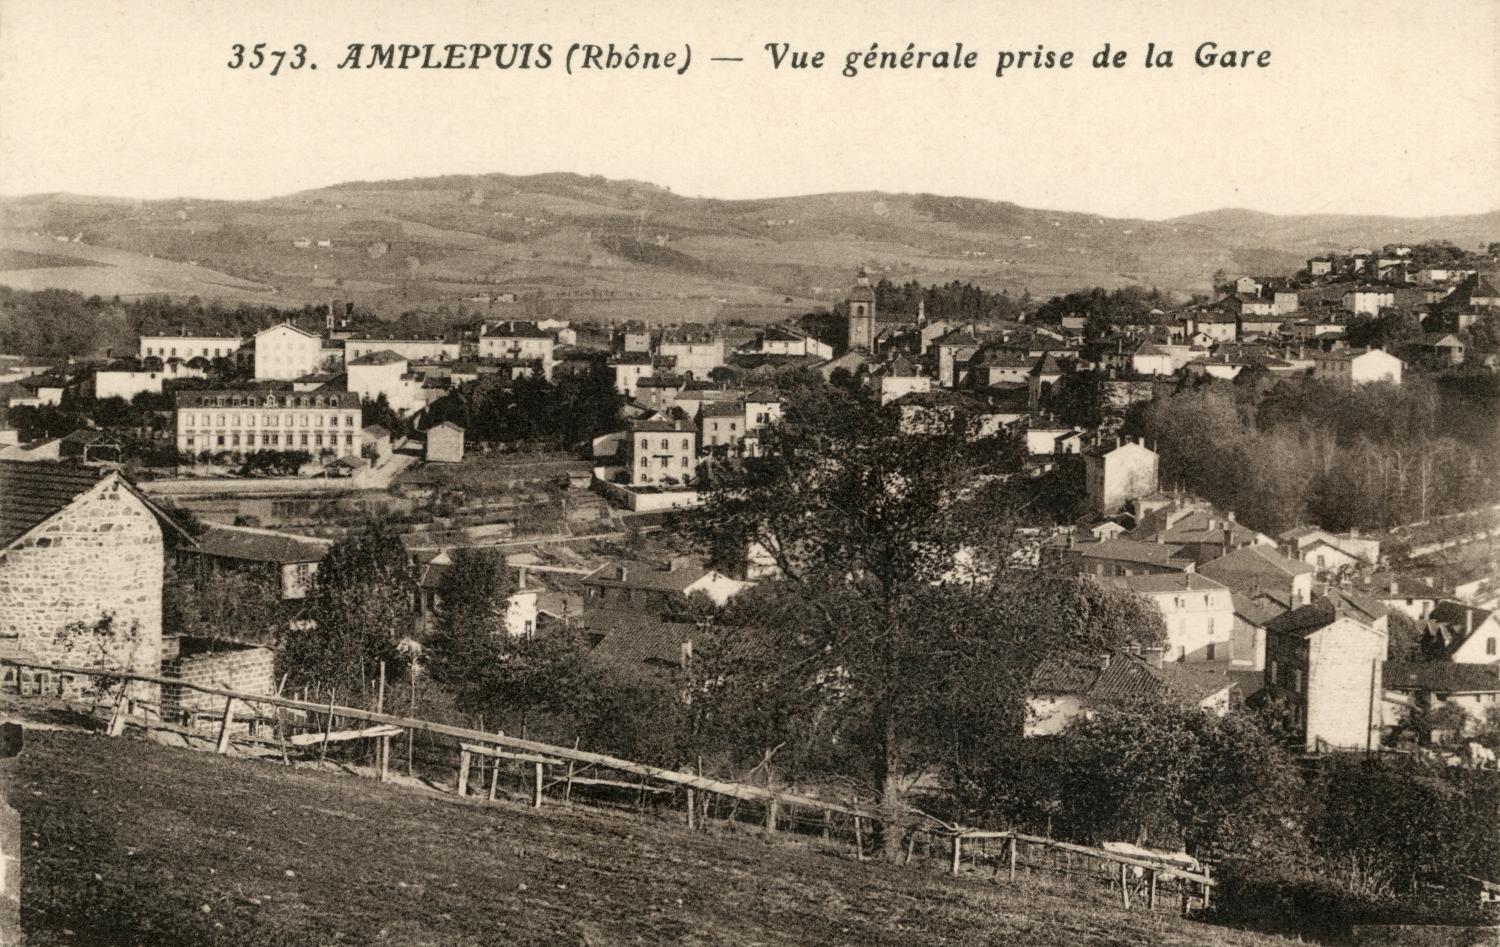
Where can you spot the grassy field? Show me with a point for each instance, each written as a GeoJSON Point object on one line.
{"type": "Point", "coordinates": [127, 842]}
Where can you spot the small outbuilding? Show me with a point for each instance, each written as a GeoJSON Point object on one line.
{"type": "Point", "coordinates": [445, 444]}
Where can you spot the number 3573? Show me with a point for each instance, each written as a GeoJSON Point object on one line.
{"type": "Point", "coordinates": [258, 57]}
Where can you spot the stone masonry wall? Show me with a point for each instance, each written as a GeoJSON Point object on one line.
{"type": "Point", "coordinates": [102, 555]}
{"type": "Point", "coordinates": [248, 669]}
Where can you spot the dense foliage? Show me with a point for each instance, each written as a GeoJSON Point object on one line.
{"type": "Point", "coordinates": [1298, 451]}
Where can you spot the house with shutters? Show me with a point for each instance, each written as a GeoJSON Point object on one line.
{"type": "Point", "coordinates": [1324, 660]}
{"type": "Point", "coordinates": [80, 545]}
{"type": "Point", "coordinates": [662, 452]}
{"type": "Point", "coordinates": [1197, 612]}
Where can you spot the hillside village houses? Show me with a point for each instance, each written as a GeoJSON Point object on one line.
{"type": "Point", "coordinates": [1300, 617]}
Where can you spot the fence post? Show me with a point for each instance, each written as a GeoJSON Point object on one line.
{"type": "Point", "coordinates": [1151, 896]}
{"type": "Point", "coordinates": [859, 838]}
{"type": "Point", "coordinates": [463, 772]}
{"type": "Point", "coordinates": [958, 848]}
{"type": "Point", "coordinates": [691, 802]}
{"type": "Point", "coordinates": [771, 808]}
{"type": "Point", "coordinates": [1012, 848]}
{"type": "Point", "coordinates": [327, 727]}
{"type": "Point", "coordinates": [1124, 886]}
{"type": "Point", "coordinates": [536, 792]}
{"type": "Point", "coordinates": [223, 746]}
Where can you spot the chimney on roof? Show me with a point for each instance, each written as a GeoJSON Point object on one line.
{"type": "Point", "coordinates": [1104, 662]}
{"type": "Point", "coordinates": [1393, 585]}
{"type": "Point", "coordinates": [624, 573]}
{"type": "Point", "coordinates": [1231, 516]}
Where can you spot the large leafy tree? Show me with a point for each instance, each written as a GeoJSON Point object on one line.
{"type": "Point", "coordinates": [1167, 774]}
{"type": "Point", "coordinates": [357, 614]}
{"type": "Point", "coordinates": [906, 621]}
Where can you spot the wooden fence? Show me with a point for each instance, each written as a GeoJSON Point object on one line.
{"type": "Point", "coordinates": [559, 767]}
{"type": "Point", "coordinates": [1137, 876]}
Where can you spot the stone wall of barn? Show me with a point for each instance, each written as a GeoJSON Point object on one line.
{"type": "Point", "coordinates": [102, 556]}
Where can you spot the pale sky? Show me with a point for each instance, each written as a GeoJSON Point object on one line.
{"type": "Point", "coordinates": [1366, 107]}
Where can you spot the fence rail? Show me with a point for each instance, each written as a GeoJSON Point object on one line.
{"type": "Point", "coordinates": [779, 807]}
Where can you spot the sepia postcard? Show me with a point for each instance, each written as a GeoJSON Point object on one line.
{"type": "Point", "coordinates": [749, 474]}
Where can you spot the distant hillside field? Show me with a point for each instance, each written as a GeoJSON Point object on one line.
{"type": "Point", "coordinates": [615, 250]}
{"type": "Point", "coordinates": [127, 842]}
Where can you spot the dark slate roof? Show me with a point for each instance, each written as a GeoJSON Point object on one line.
{"type": "Point", "coordinates": [33, 492]}
{"type": "Point", "coordinates": [1441, 676]}
{"type": "Point", "coordinates": [1325, 610]}
{"type": "Point", "coordinates": [1244, 567]}
{"type": "Point", "coordinates": [516, 330]}
{"type": "Point", "coordinates": [634, 638]}
{"type": "Point", "coordinates": [640, 574]}
{"type": "Point", "coordinates": [1129, 550]}
{"type": "Point", "coordinates": [383, 357]}
{"type": "Point", "coordinates": [1155, 583]}
{"type": "Point", "coordinates": [1257, 609]}
{"type": "Point", "coordinates": [662, 427]}
{"type": "Point", "coordinates": [261, 545]}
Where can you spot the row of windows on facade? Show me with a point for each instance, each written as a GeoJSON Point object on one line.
{"type": "Point", "coordinates": [266, 420]}
{"type": "Point", "coordinates": [269, 401]}
{"type": "Point", "coordinates": [687, 444]}
{"type": "Point", "coordinates": [269, 440]}
{"type": "Point", "coordinates": [665, 462]}
{"type": "Point", "coordinates": [1296, 676]}
{"type": "Point", "coordinates": [165, 351]}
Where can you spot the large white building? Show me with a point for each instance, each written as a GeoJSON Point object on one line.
{"type": "Point", "coordinates": [189, 346]}
{"type": "Point", "coordinates": [284, 352]}
{"type": "Point", "coordinates": [242, 421]}
{"type": "Point", "coordinates": [518, 342]}
{"type": "Point", "coordinates": [1197, 611]}
{"type": "Point", "coordinates": [696, 351]}
{"type": "Point", "coordinates": [386, 373]}
{"type": "Point", "coordinates": [415, 350]}
{"type": "Point", "coordinates": [126, 382]}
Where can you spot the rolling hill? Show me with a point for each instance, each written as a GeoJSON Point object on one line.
{"type": "Point", "coordinates": [610, 249]}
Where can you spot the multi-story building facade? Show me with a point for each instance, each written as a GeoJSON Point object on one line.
{"type": "Point", "coordinates": [1197, 611]}
{"type": "Point", "coordinates": [187, 347]}
{"type": "Point", "coordinates": [284, 352]}
{"type": "Point", "coordinates": [242, 421]}
{"type": "Point", "coordinates": [696, 351]}
{"type": "Point", "coordinates": [414, 350]}
{"type": "Point", "coordinates": [662, 452]}
{"type": "Point", "coordinates": [1325, 660]}
{"type": "Point", "coordinates": [518, 342]}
